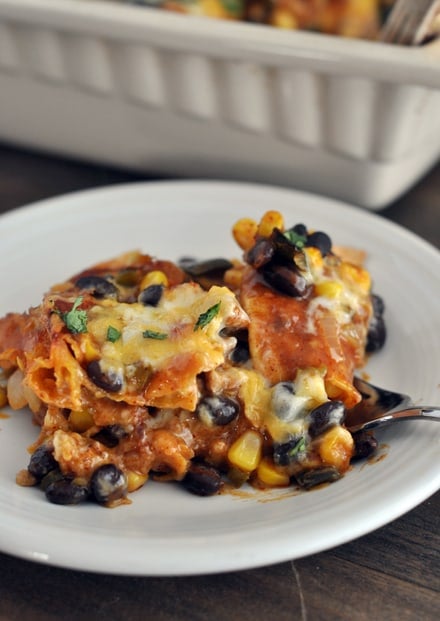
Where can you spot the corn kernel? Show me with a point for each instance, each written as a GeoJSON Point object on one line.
{"type": "Point", "coordinates": [245, 452]}
{"type": "Point", "coordinates": [268, 474]}
{"type": "Point", "coordinates": [270, 220]}
{"type": "Point", "coordinates": [80, 420]}
{"type": "Point", "coordinates": [314, 258]}
{"type": "Point", "coordinates": [135, 480]}
{"type": "Point", "coordinates": [155, 277]}
{"type": "Point", "coordinates": [336, 448]}
{"type": "Point", "coordinates": [89, 349]}
{"type": "Point", "coordinates": [329, 289]}
{"type": "Point", "coordinates": [244, 232]}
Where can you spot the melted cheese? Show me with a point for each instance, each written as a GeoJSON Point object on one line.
{"type": "Point", "coordinates": [154, 337]}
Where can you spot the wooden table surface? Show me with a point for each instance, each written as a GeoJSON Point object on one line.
{"type": "Point", "coordinates": [390, 574]}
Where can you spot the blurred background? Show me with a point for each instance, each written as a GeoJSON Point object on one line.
{"type": "Point", "coordinates": [300, 93]}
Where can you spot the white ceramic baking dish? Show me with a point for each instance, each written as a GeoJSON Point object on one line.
{"type": "Point", "coordinates": [166, 93]}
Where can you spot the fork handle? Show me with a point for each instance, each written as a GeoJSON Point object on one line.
{"type": "Point", "coordinates": [431, 412]}
{"type": "Point", "coordinates": [428, 412]}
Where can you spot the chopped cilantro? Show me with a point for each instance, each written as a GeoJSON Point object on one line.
{"type": "Point", "coordinates": [295, 238]}
{"type": "Point", "coordinates": [113, 334]}
{"type": "Point", "coordinates": [152, 334]}
{"type": "Point", "coordinates": [75, 320]}
{"type": "Point", "coordinates": [298, 447]}
{"type": "Point", "coordinates": [207, 316]}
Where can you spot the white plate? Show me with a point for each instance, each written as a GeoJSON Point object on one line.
{"type": "Point", "coordinates": [166, 531]}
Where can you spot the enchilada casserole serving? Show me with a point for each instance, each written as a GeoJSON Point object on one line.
{"type": "Point", "coordinates": [211, 374]}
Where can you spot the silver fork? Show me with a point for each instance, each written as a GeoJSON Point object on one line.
{"type": "Point", "coordinates": [409, 21]}
{"type": "Point", "coordinates": [381, 407]}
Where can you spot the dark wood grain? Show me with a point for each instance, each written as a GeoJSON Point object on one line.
{"type": "Point", "coordinates": [391, 574]}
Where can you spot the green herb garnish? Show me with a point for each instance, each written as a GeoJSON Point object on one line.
{"type": "Point", "coordinates": [298, 447]}
{"type": "Point", "coordinates": [75, 320]}
{"type": "Point", "coordinates": [113, 334]}
{"type": "Point", "coordinates": [299, 241]}
{"type": "Point", "coordinates": [152, 334]}
{"type": "Point", "coordinates": [207, 316]}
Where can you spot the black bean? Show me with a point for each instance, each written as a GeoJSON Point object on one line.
{"type": "Point", "coordinates": [217, 410]}
{"type": "Point", "coordinates": [377, 334]}
{"type": "Point", "coordinates": [97, 286]}
{"type": "Point", "coordinates": [202, 480]}
{"type": "Point", "coordinates": [186, 261]}
{"type": "Point", "coordinates": [261, 253]}
{"type": "Point", "coordinates": [51, 477]}
{"type": "Point", "coordinates": [66, 492]}
{"type": "Point", "coordinates": [285, 405]}
{"type": "Point", "coordinates": [378, 305]}
{"type": "Point", "coordinates": [150, 296]}
{"type": "Point", "coordinates": [286, 280]}
{"type": "Point", "coordinates": [300, 229]}
{"type": "Point", "coordinates": [206, 273]}
{"type": "Point", "coordinates": [110, 435]}
{"type": "Point", "coordinates": [324, 416]}
{"type": "Point", "coordinates": [285, 249]}
{"type": "Point", "coordinates": [321, 241]}
{"type": "Point", "coordinates": [365, 444]}
{"type": "Point", "coordinates": [240, 353]}
{"type": "Point", "coordinates": [108, 483]}
{"type": "Point", "coordinates": [41, 462]}
{"type": "Point", "coordinates": [286, 453]}
{"type": "Point", "coordinates": [204, 268]}
{"type": "Point", "coordinates": [109, 381]}
{"type": "Point", "coordinates": [310, 478]}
